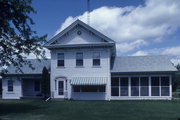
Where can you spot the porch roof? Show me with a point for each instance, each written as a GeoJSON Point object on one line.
{"type": "Point", "coordinates": [89, 81]}
{"type": "Point", "coordinates": [132, 64]}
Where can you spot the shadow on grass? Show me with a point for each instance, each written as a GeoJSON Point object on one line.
{"type": "Point", "coordinates": [8, 108]}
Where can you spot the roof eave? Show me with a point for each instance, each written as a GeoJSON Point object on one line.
{"type": "Point", "coordinates": [132, 72]}
{"type": "Point", "coordinates": [79, 45]}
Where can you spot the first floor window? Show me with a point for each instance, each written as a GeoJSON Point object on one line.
{"type": "Point", "coordinates": [102, 88]}
{"type": "Point", "coordinates": [37, 85]}
{"type": "Point", "coordinates": [10, 85]}
{"type": "Point", "coordinates": [77, 88]}
{"type": "Point", "coordinates": [87, 88]}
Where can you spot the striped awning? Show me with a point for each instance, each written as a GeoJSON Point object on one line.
{"type": "Point", "coordinates": [89, 81]}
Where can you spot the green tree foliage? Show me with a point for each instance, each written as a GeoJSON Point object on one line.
{"type": "Point", "coordinates": [176, 80]}
{"type": "Point", "coordinates": [45, 82]}
{"type": "Point", "coordinates": [17, 39]}
{"type": "Point", "coordinates": [178, 67]}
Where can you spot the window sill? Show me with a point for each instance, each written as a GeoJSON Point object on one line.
{"type": "Point", "coordinates": [96, 66]}
{"type": "Point", "coordinates": [59, 67]}
{"type": "Point", "coordinates": [10, 93]}
{"type": "Point", "coordinates": [79, 67]}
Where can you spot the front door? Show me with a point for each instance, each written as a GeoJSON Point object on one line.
{"type": "Point", "coordinates": [61, 88]}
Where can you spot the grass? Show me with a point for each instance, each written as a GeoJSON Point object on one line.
{"type": "Point", "coordinates": [89, 110]}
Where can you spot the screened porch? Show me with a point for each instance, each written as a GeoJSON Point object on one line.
{"type": "Point", "coordinates": [143, 87]}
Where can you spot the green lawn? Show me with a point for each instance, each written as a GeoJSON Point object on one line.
{"type": "Point", "coordinates": [89, 110]}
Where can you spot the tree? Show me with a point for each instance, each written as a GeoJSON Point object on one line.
{"type": "Point", "coordinates": [178, 67]}
{"type": "Point", "coordinates": [17, 39]}
{"type": "Point", "coordinates": [45, 83]}
{"type": "Point", "coordinates": [176, 82]}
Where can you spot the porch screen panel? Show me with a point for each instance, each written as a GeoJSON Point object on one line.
{"type": "Point", "coordinates": [115, 86]}
{"type": "Point", "coordinates": [155, 86]}
{"type": "Point", "coordinates": [134, 86]}
{"type": "Point", "coordinates": [144, 86]}
{"type": "Point", "coordinates": [165, 89]}
{"type": "Point", "coordinates": [124, 86]}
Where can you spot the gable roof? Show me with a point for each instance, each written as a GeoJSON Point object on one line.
{"type": "Point", "coordinates": [130, 64]}
{"type": "Point", "coordinates": [27, 70]}
{"type": "Point", "coordinates": [78, 22]}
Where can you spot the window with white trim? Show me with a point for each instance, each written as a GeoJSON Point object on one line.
{"type": "Point", "coordinates": [10, 85]}
{"type": "Point", "coordinates": [60, 60]}
{"type": "Point", "coordinates": [79, 59]}
{"type": "Point", "coordinates": [96, 59]}
{"type": "Point", "coordinates": [89, 88]}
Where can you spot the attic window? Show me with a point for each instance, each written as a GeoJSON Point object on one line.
{"type": "Point", "coordinates": [79, 32]}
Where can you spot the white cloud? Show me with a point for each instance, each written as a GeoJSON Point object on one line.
{"type": "Point", "coordinates": [175, 51]}
{"type": "Point", "coordinates": [126, 47]}
{"type": "Point", "coordinates": [140, 53]}
{"type": "Point", "coordinates": [126, 25]}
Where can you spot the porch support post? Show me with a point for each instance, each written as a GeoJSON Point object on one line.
{"type": "Point", "coordinates": [160, 85]}
{"type": "Point", "coordinates": [149, 85]}
{"type": "Point", "coordinates": [170, 85]}
{"type": "Point", "coordinates": [129, 86]}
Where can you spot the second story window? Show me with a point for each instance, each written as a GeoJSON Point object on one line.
{"type": "Point", "coordinates": [60, 61]}
{"type": "Point", "coordinates": [79, 59]}
{"type": "Point", "coordinates": [96, 59]}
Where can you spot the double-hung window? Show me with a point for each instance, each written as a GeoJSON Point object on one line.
{"type": "Point", "coordinates": [10, 85]}
{"type": "Point", "coordinates": [96, 59]}
{"type": "Point", "coordinates": [60, 61]}
{"type": "Point", "coordinates": [79, 59]}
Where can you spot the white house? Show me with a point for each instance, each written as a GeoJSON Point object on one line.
{"type": "Point", "coordinates": [84, 66]}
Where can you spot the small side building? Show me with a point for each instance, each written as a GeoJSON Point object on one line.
{"type": "Point", "coordinates": [17, 85]}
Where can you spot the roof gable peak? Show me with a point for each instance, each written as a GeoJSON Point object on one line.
{"type": "Point", "coordinates": [74, 24]}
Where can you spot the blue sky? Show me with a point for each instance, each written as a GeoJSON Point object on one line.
{"type": "Point", "coordinates": [51, 14]}
{"type": "Point", "coordinates": [139, 27]}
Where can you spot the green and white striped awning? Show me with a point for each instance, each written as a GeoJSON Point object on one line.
{"type": "Point", "coordinates": [89, 81]}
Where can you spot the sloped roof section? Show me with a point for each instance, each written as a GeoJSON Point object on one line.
{"type": "Point", "coordinates": [74, 24]}
{"type": "Point", "coordinates": [129, 64]}
{"type": "Point", "coordinates": [27, 70]}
